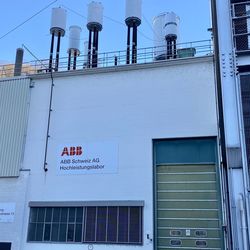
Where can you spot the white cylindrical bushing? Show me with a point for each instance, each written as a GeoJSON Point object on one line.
{"type": "Point", "coordinates": [133, 12]}
{"type": "Point", "coordinates": [160, 43]}
{"type": "Point", "coordinates": [95, 16]}
{"type": "Point", "coordinates": [171, 25]}
{"type": "Point", "coordinates": [74, 38]}
{"type": "Point", "coordinates": [58, 21]}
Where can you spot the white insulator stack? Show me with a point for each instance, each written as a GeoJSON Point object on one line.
{"type": "Point", "coordinates": [57, 29]}
{"type": "Point", "coordinates": [58, 21]}
{"type": "Point", "coordinates": [95, 16]}
{"type": "Point", "coordinates": [171, 25]}
{"type": "Point", "coordinates": [94, 25]}
{"type": "Point", "coordinates": [74, 45]}
{"type": "Point", "coordinates": [74, 39]}
{"type": "Point", "coordinates": [133, 20]}
{"type": "Point", "coordinates": [133, 12]}
{"type": "Point", "coordinates": [166, 30]}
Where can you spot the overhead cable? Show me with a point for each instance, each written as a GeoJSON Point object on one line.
{"type": "Point", "coordinates": [27, 20]}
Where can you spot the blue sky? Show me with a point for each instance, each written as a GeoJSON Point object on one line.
{"type": "Point", "coordinates": [194, 16]}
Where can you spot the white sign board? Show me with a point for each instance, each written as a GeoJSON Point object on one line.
{"type": "Point", "coordinates": [7, 212]}
{"type": "Point", "coordinates": [87, 158]}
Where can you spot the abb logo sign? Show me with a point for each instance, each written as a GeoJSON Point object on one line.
{"type": "Point", "coordinates": [70, 151]}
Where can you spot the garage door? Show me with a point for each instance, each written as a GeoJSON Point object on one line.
{"type": "Point", "coordinates": [188, 210]}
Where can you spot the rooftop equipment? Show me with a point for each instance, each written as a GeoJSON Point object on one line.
{"type": "Point", "coordinates": [58, 26]}
{"type": "Point", "coordinates": [18, 62]}
{"type": "Point", "coordinates": [166, 29]}
{"type": "Point", "coordinates": [74, 45]}
{"type": "Point", "coordinates": [132, 20]}
{"type": "Point", "coordinates": [94, 25]}
{"type": "Point", "coordinates": [85, 56]}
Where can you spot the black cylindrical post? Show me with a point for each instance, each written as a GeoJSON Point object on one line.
{"type": "Point", "coordinates": [175, 48]}
{"type": "Point", "coordinates": [18, 62]}
{"type": "Point", "coordinates": [51, 52]}
{"type": "Point", "coordinates": [94, 55]}
{"type": "Point", "coordinates": [134, 47]}
{"type": "Point", "coordinates": [128, 46]}
{"type": "Point", "coordinates": [74, 63]}
{"type": "Point", "coordinates": [116, 60]}
{"type": "Point", "coordinates": [89, 49]}
{"type": "Point", "coordinates": [69, 60]}
{"type": "Point", "coordinates": [169, 48]}
{"type": "Point", "coordinates": [58, 51]}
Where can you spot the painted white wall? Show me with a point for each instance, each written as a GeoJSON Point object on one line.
{"type": "Point", "coordinates": [13, 190]}
{"type": "Point", "coordinates": [130, 107]}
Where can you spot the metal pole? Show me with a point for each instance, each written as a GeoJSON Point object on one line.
{"type": "Point", "coordinates": [58, 51]}
{"type": "Point", "coordinates": [94, 59]}
{"type": "Point", "coordinates": [69, 60]}
{"type": "Point", "coordinates": [168, 48]}
{"type": "Point", "coordinates": [51, 52]}
{"type": "Point", "coordinates": [134, 47]}
{"type": "Point", "coordinates": [175, 48]}
{"type": "Point", "coordinates": [75, 56]}
{"type": "Point", "coordinates": [128, 46]}
{"type": "Point", "coordinates": [116, 60]}
{"type": "Point", "coordinates": [89, 49]}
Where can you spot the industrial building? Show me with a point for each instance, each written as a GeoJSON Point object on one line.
{"type": "Point", "coordinates": [130, 151]}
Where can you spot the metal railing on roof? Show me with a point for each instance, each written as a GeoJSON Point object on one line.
{"type": "Point", "coordinates": [116, 58]}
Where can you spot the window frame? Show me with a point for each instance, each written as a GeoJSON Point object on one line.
{"type": "Point", "coordinates": [85, 206]}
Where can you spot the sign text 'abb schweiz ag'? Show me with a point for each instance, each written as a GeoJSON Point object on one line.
{"type": "Point", "coordinates": [88, 158]}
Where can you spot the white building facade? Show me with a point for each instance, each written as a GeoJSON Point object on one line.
{"type": "Point", "coordinates": [115, 157]}
{"type": "Point", "coordinates": [152, 155]}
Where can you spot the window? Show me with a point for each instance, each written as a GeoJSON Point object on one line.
{"type": "Point", "coordinates": [90, 224]}
{"type": "Point", "coordinates": [5, 246]}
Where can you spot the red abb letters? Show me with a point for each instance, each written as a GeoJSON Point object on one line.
{"type": "Point", "coordinates": [70, 151]}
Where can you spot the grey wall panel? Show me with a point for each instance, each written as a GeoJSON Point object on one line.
{"type": "Point", "coordinates": [14, 104]}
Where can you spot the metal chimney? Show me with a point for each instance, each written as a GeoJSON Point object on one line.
{"type": "Point", "coordinates": [18, 62]}
{"type": "Point", "coordinates": [132, 20]}
{"type": "Point", "coordinates": [94, 25]}
{"type": "Point", "coordinates": [58, 26]}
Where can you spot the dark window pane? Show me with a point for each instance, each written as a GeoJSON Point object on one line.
{"type": "Point", "coordinates": [101, 224]}
{"type": "Point", "coordinates": [64, 214]}
{"type": "Point", "coordinates": [70, 233]}
{"type": "Point", "coordinates": [72, 214]}
{"type": "Point", "coordinates": [123, 225]}
{"type": "Point", "coordinates": [55, 232]}
{"type": "Point", "coordinates": [78, 233]}
{"type": "Point", "coordinates": [33, 214]}
{"type": "Point", "coordinates": [39, 231]}
{"type": "Point", "coordinates": [90, 224]}
{"type": "Point", "coordinates": [5, 245]}
{"type": "Point", "coordinates": [47, 230]}
{"type": "Point", "coordinates": [112, 224]}
{"type": "Point", "coordinates": [32, 232]}
{"type": "Point", "coordinates": [134, 225]}
{"type": "Point", "coordinates": [41, 214]}
{"type": "Point", "coordinates": [79, 214]}
{"type": "Point", "coordinates": [48, 214]}
{"type": "Point", "coordinates": [56, 214]}
{"type": "Point", "coordinates": [62, 232]}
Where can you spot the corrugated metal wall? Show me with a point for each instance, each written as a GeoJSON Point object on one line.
{"type": "Point", "coordinates": [14, 104]}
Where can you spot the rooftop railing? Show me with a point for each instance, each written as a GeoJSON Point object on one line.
{"type": "Point", "coordinates": [114, 59]}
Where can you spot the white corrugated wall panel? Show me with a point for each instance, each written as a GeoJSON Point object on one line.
{"type": "Point", "coordinates": [14, 104]}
